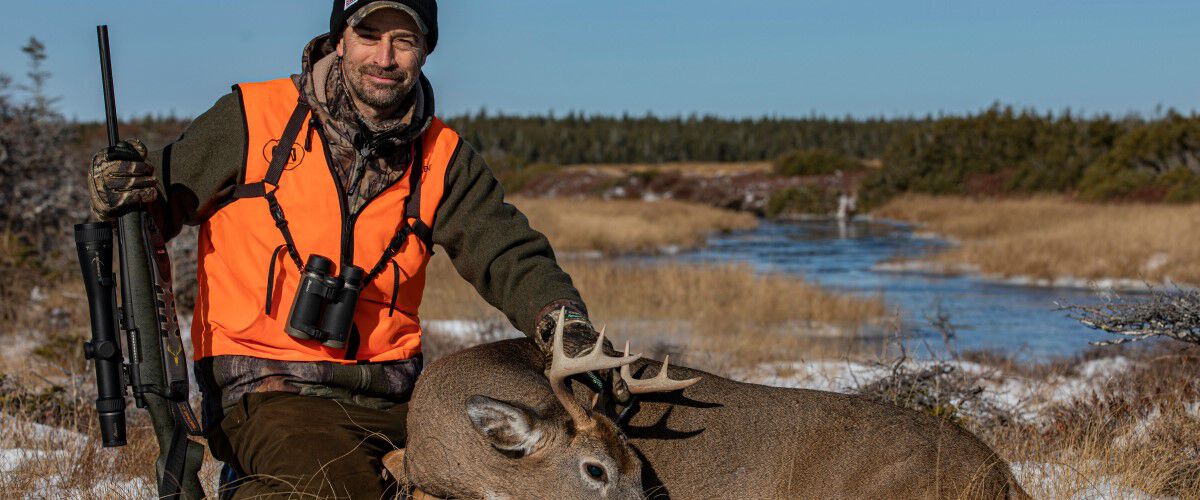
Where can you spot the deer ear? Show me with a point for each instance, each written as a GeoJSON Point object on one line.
{"type": "Point", "coordinates": [510, 428]}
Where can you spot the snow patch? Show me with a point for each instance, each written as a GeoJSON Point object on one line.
{"type": "Point", "coordinates": [1069, 282]}
{"type": "Point", "coordinates": [12, 459]}
{"type": "Point", "coordinates": [1026, 398]}
{"type": "Point", "coordinates": [52, 487]}
{"type": "Point", "coordinates": [41, 432]}
{"type": "Point", "coordinates": [470, 330]}
{"type": "Point", "coordinates": [1193, 409]}
{"type": "Point", "coordinates": [1064, 481]}
{"type": "Point", "coordinates": [923, 266]}
{"type": "Point", "coordinates": [1105, 368]}
{"type": "Point", "coordinates": [1156, 262]}
{"type": "Point", "coordinates": [51, 450]}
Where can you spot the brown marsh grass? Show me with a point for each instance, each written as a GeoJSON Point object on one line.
{"type": "Point", "coordinates": [731, 310]}
{"type": "Point", "coordinates": [623, 226]}
{"type": "Point", "coordinates": [1140, 431]}
{"type": "Point", "coordinates": [1053, 237]}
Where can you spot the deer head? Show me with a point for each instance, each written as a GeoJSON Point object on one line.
{"type": "Point", "coordinates": [563, 450]}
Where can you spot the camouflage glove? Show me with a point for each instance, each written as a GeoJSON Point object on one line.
{"type": "Point", "coordinates": [578, 339]}
{"type": "Point", "coordinates": [121, 179]}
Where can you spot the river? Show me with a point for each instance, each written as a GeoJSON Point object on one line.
{"type": "Point", "coordinates": [986, 315]}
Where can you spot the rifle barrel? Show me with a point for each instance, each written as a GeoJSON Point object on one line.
{"type": "Point", "coordinates": [110, 100]}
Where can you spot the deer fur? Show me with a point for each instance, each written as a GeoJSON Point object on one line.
{"type": "Point", "coordinates": [483, 423]}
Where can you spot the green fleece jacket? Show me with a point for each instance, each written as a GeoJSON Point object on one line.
{"type": "Point", "coordinates": [489, 241]}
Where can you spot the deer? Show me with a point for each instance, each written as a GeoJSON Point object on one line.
{"type": "Point", "coordinates": [494, 421]}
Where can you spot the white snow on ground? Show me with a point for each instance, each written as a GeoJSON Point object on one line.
{"type": "Point", "coordinates": [41, 432]}
{"type": "Point", "coordinates": [470, 331]}
{"type": "Point", "coordinates": [1110, 284]}
{"type": "Point", "coordinates": [1053, 480]}
{"type": "Point", "coordinates": [13, 459]}
{"type": "Point", "coordinates": [1193, 409]}
{"type": "Point", "coordinates": [51, 487]}
{"type": "Point", "coordinates": [1024, 397]}
{"type": "Point", "coordinates": [648, 332]}
{"type": "Point", "coordinates": [49, 449]}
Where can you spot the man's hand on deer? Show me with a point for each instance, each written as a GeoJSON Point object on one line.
{"type": "Point", "coordinates": [579, 336]}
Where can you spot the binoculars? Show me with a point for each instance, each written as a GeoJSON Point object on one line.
{"type": "Point", "coordinates": [324, 306]}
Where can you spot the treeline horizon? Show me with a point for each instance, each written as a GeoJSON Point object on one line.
{"type": "Point", "coordinates": [1000, 150]}
{"type": "Point", "coordinates": [488, 129]}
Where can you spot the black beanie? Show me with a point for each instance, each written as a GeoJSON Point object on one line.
{"type": "Point", "coordinates": [424, 10]}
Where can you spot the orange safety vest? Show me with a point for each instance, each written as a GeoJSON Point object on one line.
{"type": "Point", "coordinates": [240, 261]}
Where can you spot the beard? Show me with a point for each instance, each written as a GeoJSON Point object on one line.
{"type": "Point", "coordinates": [375, 94]}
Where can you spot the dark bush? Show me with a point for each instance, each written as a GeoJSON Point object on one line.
{"type": "Point", "coordinates": [515, 179]}
{"type": "Point", "coordinates": [797, 200]}
{"type": "Point", "coordinates": [815, 162]}
{"type": "Point", "coordinates": [1157, 161]}
{"type": "Point", "coordinates": [1183, 185]}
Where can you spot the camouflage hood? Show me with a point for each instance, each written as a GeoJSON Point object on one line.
{"type": "Point", "coordinates": [368, 157]}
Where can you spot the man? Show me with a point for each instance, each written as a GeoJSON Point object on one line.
{"type": "Point", "coordinates": [344, 161]}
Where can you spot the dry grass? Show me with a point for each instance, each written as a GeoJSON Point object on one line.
{"type": "Point", "coordinates": [1052, 237]}
{"type": "Point", "coordinates": [730, 310]}
{"type": "Point", "coordinates": [1071, 428]}
{"type": "Point", "coordinates": [1140, 431]}
{"type": "Point", "coordinates": [701, 169]}
{"type": "Point", "coordinates": [58, 454]}
{"type": "Point", "coordinates": [621, 226]}
{"type": "Point", "coordinates": [50, 437]}
{"type": "Point", "coordinates": [1089, 463]}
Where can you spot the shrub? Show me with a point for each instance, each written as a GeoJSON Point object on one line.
{"type": "Point", "coordinates": [515, 179]}
{"type": "Point", "coordinates": [1183, 185]}
{"type": "Point", "coordinates": [801, 200]}
{"type": "Point", "coordinates": [814, 162]}
{"type": "Point", "coordinates": [1154, 162]}
{"type": "Point", "coordinates": [1110, 182]}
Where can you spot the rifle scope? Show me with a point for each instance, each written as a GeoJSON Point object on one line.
{"type": "Point", "coordinates": [94, 243]}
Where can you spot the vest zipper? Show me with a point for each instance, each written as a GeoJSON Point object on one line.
{"type": "Point", "coordinates": [347, 256]}
{"type": "Point", "coordinates": [412, 163]}
{"type": "Point", "coordinates": [347, 224]}
{"type": "Point", "coordinates": [349, 219]}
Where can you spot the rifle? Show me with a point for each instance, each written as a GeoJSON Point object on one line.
{"type": "Point", "coordinates": [156, 370]}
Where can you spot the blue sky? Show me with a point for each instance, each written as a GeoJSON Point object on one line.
{"type": "Point", "coordinates": [748, 58]}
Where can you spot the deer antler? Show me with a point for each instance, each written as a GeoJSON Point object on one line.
{"type": "Point", "coordinates": [563, 366]}
{"type": "Point", "coordinates": [658, 383]}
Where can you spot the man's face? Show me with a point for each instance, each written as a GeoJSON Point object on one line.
{"type": "Point", "coordinates": [381, 58]}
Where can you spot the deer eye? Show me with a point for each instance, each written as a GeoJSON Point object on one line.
{"type": "Point", "coordinates": [595, 472]}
